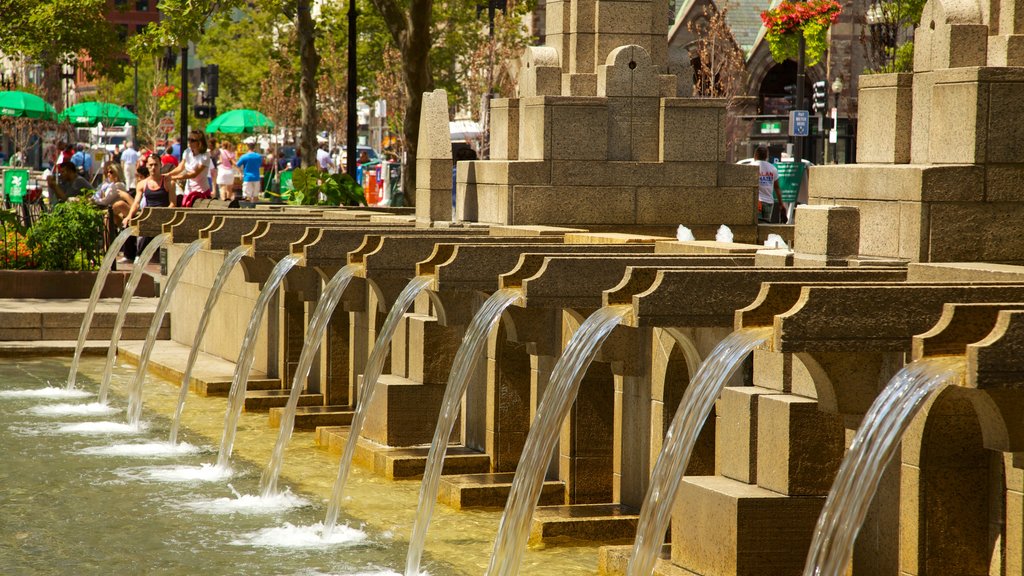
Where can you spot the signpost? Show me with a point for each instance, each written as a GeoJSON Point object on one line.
{"type": "Point", "coordinates": [791, 175]}
{"type": "Point", "coordinates": [166, 125]}
{"type": "Point", "coordinates": [799, 123]}
{"type": "Point", "coordinates": [16, 185]}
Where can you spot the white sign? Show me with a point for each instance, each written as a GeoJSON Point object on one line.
{"type": "Point", "coordinates": [833, 134]}
{"type": "Point", "coordinates": [799, 123]}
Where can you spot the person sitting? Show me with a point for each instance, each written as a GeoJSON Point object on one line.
{"type": "Point", "coordinates": [113, 193]}
{"type": "Point", "coordinates": [69, 185]}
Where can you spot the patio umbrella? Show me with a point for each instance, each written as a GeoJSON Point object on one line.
{"type": "Point", "coordinates": [240, 121]}
{"type": "Point", "coordinates": [25, 105]}
{"type": "Point", "coordinates": [93, 113]}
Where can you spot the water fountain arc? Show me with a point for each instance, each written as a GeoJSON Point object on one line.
{"type": "Point", "coordinates": [236, 395]}
{"type": "Point", "coordinates": [226, 267]}
{"type": "Point", "coordinates": [564, 384]}
{"type": "Point", "coordinates": [122, 311]}
{"type": "Point", "coordinates": [135, 396]}
{"type": "Point", "coordinates": [329, 300]}
{"type": "Point", "coordinates": [374, 368]}
{"type": "Point", "coordinates": [101, 280]}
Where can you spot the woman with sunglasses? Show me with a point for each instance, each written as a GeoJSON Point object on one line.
{"type": "Point", "coordinates": [156, 190]}
{"type": "Point", "coordinates": [113, 193]}
{"type": "Point", "coordinates": [194, 169]}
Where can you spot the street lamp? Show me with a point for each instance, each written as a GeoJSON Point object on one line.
{"type": "Point", "coordinates": [837, 89]}
{"type": "Point", "coordinates": [201, 92]}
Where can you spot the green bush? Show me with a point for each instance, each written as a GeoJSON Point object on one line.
{"type": "Point", "coordinates": [70, 237]}
{"type": "Point", "coordinates": [336, 189]}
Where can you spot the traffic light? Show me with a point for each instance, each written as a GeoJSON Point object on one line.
{"type": "Point", "coordinates": [820, 97]}
{"type": "Point", "coordinates": [212, 81]}
{"type": "Point", "coordinates": [790, 90]}
{"type": "Point", "coordinates": [203, 111]}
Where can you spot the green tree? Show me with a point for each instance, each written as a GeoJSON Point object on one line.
{"type": "Point", "coordinates": [51, 32]}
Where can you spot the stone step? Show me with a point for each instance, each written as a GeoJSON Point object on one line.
{"type": "Point", "coordinates": [591, 522]}
{"type": "Point", "coordinates": [264, 400]}
{"type": "Point", "coordinates": [48, 320]}
{"type": "Point", "coordinates": [396, 463]}
{"type": "Point", "coordinates": [491, 490]}
{"type": "Point", "coordinates": [399, 463]}
{"type": "Point", "coordinates": [222, 387]}
{"type": "Point", "coordinates": [612, 561]}
{"type": "Point", "coordinates": [313, 417]}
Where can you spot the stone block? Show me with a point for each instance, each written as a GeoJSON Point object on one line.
{"type": "Point", "coordinates": [920, 134]}
{"type": "Point", "coordinates": [547, 81]}
{"type": "Point", "coordinates": [690, 131]}
{"type": "Point", "coordinates": [432, 349]}
{"type": "Point", "coordinates": [737, 175]}
{"type": "Point", "coordinates": [493, 204]}
{"type": "Point", "coordinates": [664, 205]}
{"type": "Point", "coordinates": [579, 84]}
{"type": "Point", "coordinates": [433, 205]}
{"type": "Point", "coordinates": [721, 527]}
{"type": "Point", "coordinates": [582, 51]}
{"type": "Point", "coordinates": [886, 112]}
{"type": "Point", "coordinates": [799, 448]}
{"type": "Point", "coordinates": [403, 413]}
{"type": "Point", "coordinates": [579, 132]}
{"type": "Point", "coordinates": [973, 232]}
{"type": "Point", "coordinates": [534, 130]}
{"type": "Point", "coordinates": [623, 17]}
{"type": "Point", "coordinates": [667, 86]}
{"type": "Point", "coordinates": [827, 230]}
{"type": "Point", "coordinates": [959, 113]}
{"type": "Point", "coordinates": [434, 136]}
{"type": "Point", "coordinates": [505, 129]}
{"type": "Point", "coordinates": [588, 205]}
{"type": "Point", "coordinates": [433, 174]}
{"type": "Point", "coordinates": [1003, 182]}
{"type": "Point", "coordinates": [1005, 122]}
{"type": "Point", "coordinates": [736, 432]}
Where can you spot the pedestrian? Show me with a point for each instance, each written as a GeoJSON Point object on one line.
{"type": "Point", "coordinates": [18, 159]}
{"type": "Point", "coordinates": [226, 171]}
{"type": "Point", "coordinates": [250, 163]}
{"type": "Point", "coordinates": [194, 170]}
{"type": "Point", "coordinates": [175, 149]}
{"type": "Point", "coordinates": [767, 186]}
{"type": "Point", "coordinates": [129, 160]}
{"type": "Point", "coordinates": [323, 159]}
{"type": "Point", "coordinates": [82, 161]}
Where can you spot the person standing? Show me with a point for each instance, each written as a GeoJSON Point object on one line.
{"type": "Point", "coordinates": [226, 171]}
{"type": "Point", "coordinates": [323, 159]}
{"type": "Point", "coordinates": [156, 189]}
{"type": "Point", "coordinates": [250, 163]}
{"type": "Point", "coordinates": [83, 161]}
{"type": "Point", "coordinates": [194, 170]}
{"type": "Point", "coordinates": [767, 185]}
{"type": "Point", "coordinates": [129, 160]}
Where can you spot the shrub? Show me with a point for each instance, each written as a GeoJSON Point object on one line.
{"type": "Point", "coordinates": [70, 237]}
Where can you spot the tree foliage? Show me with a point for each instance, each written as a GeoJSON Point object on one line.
{"type": "Point", "coordinates": [51, 32]}
{"type": "Point", "coordinates": [888, 36]}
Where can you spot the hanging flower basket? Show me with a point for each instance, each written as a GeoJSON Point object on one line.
{"type": "Point", "coordinates": [788, 20]}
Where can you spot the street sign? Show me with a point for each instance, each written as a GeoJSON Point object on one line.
{"type": "Point", "coordinates": [166, 125]}
{"type": "Point", "coordinates": [791, 175]}
{"type": "Point", "coordinates": [771, 127]}
{"type": "Point", "coordinates": [16, 185]}
{"type": "Point", "coordinates": [799, 123]}
{"type": "Point", "coordinates": [833, 134]}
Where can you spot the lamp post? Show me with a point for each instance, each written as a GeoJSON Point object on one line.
{"type": "Point", "coordinates": [837, 89]}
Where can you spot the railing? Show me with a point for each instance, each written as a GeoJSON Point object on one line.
{"type": "Point", "coordinates": [33, 238]}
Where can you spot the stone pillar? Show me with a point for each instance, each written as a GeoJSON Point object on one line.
{"type": "Point", "coordinates": [509, 412]}
{"type": "Point", "coordinates": [585, 446]}
{"type": "Point", "coordinates": [434, 160]}
{"type": "Point", "coordinates": [291, 333]}
{"type": "Point", "coordinates": [334, 360]}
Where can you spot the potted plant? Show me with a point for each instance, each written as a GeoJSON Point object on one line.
{"type": "Point", "coordinates": [789, 20]}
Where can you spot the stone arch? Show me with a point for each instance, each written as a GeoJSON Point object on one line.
{"type": "Point", "coordinates": [954, 491]}
{"type": "Point", "coordinates": [675, 360]}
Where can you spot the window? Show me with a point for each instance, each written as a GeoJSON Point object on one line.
{"type": "Point", "coordinates": [142, 5]}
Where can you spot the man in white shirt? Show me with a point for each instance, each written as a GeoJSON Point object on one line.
{"type": "Point", "coordinates": [129, 160]}
{"type": "Point", "coordinates": [323, 159]}
{"type": "Point", "coordinates": [767, 185]}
